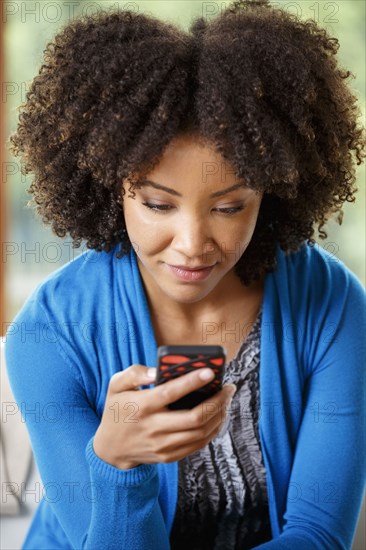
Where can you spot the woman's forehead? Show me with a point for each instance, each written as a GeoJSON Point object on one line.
{"type": "Point", "coordinates": [193, 153]}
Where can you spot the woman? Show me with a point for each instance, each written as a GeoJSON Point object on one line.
{"type": "Point", "coordinates": [195, 166]}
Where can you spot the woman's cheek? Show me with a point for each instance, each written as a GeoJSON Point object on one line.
{"type": "Point", "coordinates": [242, 234]}
{"type": "Point", "coordinates": [251, 221]}
{"type": "Point", "coordinates": [155, 236]}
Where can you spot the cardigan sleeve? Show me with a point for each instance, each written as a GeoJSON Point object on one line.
{"type": "Point", "coordinates": [327, 480]}
{"type": "Point", "coordinates": [96, 504]}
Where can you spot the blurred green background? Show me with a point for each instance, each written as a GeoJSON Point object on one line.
{"type": "Point", "coordinates": [31, 251]}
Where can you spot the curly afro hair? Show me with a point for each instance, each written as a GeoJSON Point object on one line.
{"type": "Point", "coordinates": [256, 83]}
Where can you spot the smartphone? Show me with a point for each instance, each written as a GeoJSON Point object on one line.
{"type": "Point", "coordinates": [174, 361]}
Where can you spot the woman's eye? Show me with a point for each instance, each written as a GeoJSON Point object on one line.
{"type": "Point", "coordinates": [167, 207]}
{"type": "Point", "coordinates": [231, 210]}
{"type": "Point", "coordinates": [157, 207]}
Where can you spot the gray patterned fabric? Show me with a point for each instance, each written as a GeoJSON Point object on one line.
{"type": "Point", "coordinates": [222, 493]}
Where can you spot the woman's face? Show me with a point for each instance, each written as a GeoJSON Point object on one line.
{"type": "Point", "coordinates": [188, 214]}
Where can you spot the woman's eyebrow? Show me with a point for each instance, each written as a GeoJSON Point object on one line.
{"type": "Point", "coordinates": [149, 183]}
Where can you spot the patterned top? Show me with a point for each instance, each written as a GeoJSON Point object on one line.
{"type": "Point", "coordinates": [222, 493]}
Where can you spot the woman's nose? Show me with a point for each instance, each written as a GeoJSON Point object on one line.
{"type": "Point", "coordinates": [192, 238]}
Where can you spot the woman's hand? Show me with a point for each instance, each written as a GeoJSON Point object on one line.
{"type": "Point", "coordinates": [138, 428]}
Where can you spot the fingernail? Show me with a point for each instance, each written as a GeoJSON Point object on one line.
{"type": "Point", "coordinates": [206, 374]}
{"type": "Point", "coordinates": [151, 373]}
{"type": "Point", "coordinates": [232, 389]}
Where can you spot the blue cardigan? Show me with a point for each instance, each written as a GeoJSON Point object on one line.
{"type": "Point", "coordinates": [90, 319]}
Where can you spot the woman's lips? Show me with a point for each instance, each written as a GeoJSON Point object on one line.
{"type": "Point", "coordinates": [190, 275]}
